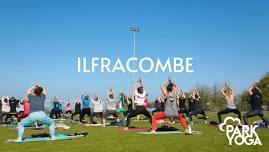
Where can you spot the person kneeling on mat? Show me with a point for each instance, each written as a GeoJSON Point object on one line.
{"type": "Point", "coordinates": [228, 94]}
{"type": "Point", "coordinates": [36, 97]}
{"type": "Point", "coordinates": [169, 91]}
{"type": "Point", "coordinates": [140, 96]}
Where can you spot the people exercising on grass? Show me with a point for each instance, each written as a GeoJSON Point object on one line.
{"type": "Point", "coordinates": [228, 94]}
{"type": "Point", "coordinates": [36, 96]}
{"type": "Point", "coordinates": [256, 104]}
{"type": "Point", "coordinates": [140, 97]}
{"type": "Point", "coordinates": [170, 92]}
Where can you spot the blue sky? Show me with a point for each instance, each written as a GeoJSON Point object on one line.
{"type": "Point", "coordinates": [41, 40]}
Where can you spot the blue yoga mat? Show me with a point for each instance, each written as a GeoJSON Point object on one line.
{"type": "Point", "coordinates": [31, 127]}
{"type": "Point", "coordinates": [59, 137]}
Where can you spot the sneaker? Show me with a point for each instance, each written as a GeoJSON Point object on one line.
{"type": "Point", "coordinates": [191, 123]}
{"type": "Point", "coordinates": [126, 128]}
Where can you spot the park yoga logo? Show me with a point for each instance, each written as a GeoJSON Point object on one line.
{"type": "Point", "coordinates": [145, 65]}
{"type": "Point", "coordinates": [246, 135]}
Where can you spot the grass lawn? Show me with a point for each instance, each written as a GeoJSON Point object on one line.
{"type": "Point", "coordinates": [112, 139]}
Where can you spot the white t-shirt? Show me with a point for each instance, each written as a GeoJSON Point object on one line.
{"type": "Point", "coordinates": [5, 105]}
{"type": "Point", "coordinates": [140, 98]}
{"type": "Point", "coordinates": [97, 105]}
{"type": "Point", "coordinates": [111, 103]}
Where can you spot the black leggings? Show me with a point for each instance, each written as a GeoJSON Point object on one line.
{"type": "Point", "coordinates": [74, 114]}
{"type": "Point", "coordinates": [254, 113]}
{"type": "Point", "coordinates": [197, 111]}
{"type": "Point", "coordinates": [95, 114]}
{"type": "Point", "coordinates": [139, 110]}
{"type": "Point", "coordinates": [9, 115]}
{"type": "Point", "coordinates": [68, 111]}
{"type": "Point", "coordinates": [129, 110]}
{"type": "Point", "coordinates": [228, 110]}
{"type": "Point", "coordinates": [183, 110]}
{"type": "Point", "coordinates": [84, 112]}
{"type": "Point", "coordinates": [56, 112]}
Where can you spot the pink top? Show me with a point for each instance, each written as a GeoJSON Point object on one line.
{"type": "Point", "coordinates": [68, 107]}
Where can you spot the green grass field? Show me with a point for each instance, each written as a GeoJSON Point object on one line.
{"type": "Point", "coordinates": [112, 139]}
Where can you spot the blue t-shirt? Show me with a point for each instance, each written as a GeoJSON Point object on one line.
{"type": "Point", "coordinates": [85, 101]}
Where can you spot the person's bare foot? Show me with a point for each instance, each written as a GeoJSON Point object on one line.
{"type": "Point", "coordinates": [153, 131]}
{"type": "Point", "coordinates": [53, 137]}
{"type": "Point", "coordinates": [126, 128]}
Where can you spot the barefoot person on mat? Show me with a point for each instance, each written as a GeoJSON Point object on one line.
{"type": "Point", "coordinates": [169, 91]}
{"type": "Point", "coordinates": [140, 97]}
{"type": "Point", "coordinates": [36, 97]}
{"type": "Point", "coordinates": [228, 94]}
{"type": "Point", "coordinates": [256, 105]}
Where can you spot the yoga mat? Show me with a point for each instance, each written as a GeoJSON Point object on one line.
{"type": "Point", "coordinates": [95, 125]}
{"type": "Point", "coordinates": [45, 139]}
{"type": "Point", "coordinates": [168, 132]}
{"type": "Point", "coordinates": [59, 137]}
{"type": "Point", "coordinates": [121, 110]}
{"type": "Point", "coordinates": [162, 132]}
{"type": "Point", "coordinates": [136, 129]}
{"type": "Point", "coordinates": [151, 109]}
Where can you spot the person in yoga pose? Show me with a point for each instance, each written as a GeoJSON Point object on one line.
{"type": "Point", "coordinates": [196, 106]}
{"type": "Point", "coordinates": [36, 97]}
{"type": "Point", "coordinates": [140, 96]}
{"type": "Point", "coordinates": [55, 108]}
{"type": "Point", "coordinates": [110, 107]}
{"type": "Point", "coordinates": [169, 91]}
{"type": "Point", "coordinates": [256, 105]}
{"type": "Point", "coordinates": [85, 98]}
{"type": "Point", "coordinates": [228, 94]}
{"type": "Point", "coordinates": [26, 109]}
{"type": "Point", "coordinates": [97, 104]}
{"type": "Point", "coordinates": [127, 105]}
{"type": "Point", "coordinates": [158, 103]}
{"type": "Point", "coordinates": [68, 108]}
{"type": "Point", "coordinates": [77, 108]}
{"type": "Point", "coordinates": [5, 108]}
{"type": "Point", "coordinates": [13, 103]}
{"type": "Point", "coordinates": [182, 103]}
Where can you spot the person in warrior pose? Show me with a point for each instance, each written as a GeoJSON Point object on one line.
{"type": "Point", "coordinates": [169, 91]}
{"type": "Point", "coordinates": [140, 96]}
